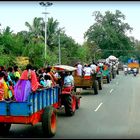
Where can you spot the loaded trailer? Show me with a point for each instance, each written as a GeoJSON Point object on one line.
{"type": "Point", "coordinates": [39, 107]}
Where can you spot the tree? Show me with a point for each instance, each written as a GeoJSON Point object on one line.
{"type": "Point", "coordinates": [136, 53]}
{"type": "Point", "coordinates": [35, 30]}
{"type": "Point", "coordinates": [109, 33]}
{"type": "Point", "coordinates": [52, 28]}
{"type": "Point", "coordinates": [69, 49]}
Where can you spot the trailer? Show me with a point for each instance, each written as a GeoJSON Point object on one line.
{"type": "Point", "coordinates": [39, 107]}
{"type": "Point", "coordinates": [92, 83]}
{"type": "Point", "coordinates": [105, 71]}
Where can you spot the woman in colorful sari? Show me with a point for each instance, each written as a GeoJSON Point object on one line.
{"type": "Point", "coordinates": [3, 87]}
{"type": "Point", "coordinates": [28, 83]}
{"type": "Point", "coordinates": [30, 74]}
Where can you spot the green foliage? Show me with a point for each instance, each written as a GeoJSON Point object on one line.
{"type": "Point", "coordinates": [109, 33]}
{"type": "Point", "coordinates": [35, 52]}
{"type": "Point", "coordinates": [7, 60]}
{"type": "Point", "coordinates": [103, 38]}
{"type": "Point", "coordinates": [69, 49]}
{"type": "Point", "coordinates": [52, 27]}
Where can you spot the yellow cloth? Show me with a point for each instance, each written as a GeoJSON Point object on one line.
{"type": "Point", "coordinates": [5, 90]}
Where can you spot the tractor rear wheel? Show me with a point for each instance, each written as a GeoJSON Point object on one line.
{"type": "Point", "coordinates": [49, 121]}
{"type": "Point", "coordinates": [100, 83]}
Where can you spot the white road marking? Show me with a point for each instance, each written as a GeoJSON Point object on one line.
{"type": "Point", "coordinates": [111, 90]}
{"type": "Point", "coordinates": [98, 107]}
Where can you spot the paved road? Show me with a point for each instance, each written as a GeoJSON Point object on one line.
{"type": "Point", "coordinates": [113, 113]}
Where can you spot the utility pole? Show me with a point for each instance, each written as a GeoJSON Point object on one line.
{"type": "Point", "coordinates": [59, 44]}
{"type": "Point", "coordinates": [45, 4]}
{"type": "Point", "coordinates": [59, 48]}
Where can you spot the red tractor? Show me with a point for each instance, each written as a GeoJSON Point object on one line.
{"type": "Point", "coordinates": [67, 97]}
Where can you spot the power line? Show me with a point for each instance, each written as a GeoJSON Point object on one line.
{"type": "Point", "coordinates": [119, 50]}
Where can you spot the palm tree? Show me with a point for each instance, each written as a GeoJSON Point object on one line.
{"type": "Point", "coordinates": [7, 31]}
{"type": "Point", "coordinates": [52, 27]}
{"type": "Point", "coordinates": [35, 30]}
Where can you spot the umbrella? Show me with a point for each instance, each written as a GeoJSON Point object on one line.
{"type": "Point", "coordinates": [64, 68]}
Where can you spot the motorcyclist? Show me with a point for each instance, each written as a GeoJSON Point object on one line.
{"type": "Point", "coordinates": [125, 70]}
{"type": "Point", "coordinates": [129, 70]}
{"type": "Point", "coordinates": [135, 71]}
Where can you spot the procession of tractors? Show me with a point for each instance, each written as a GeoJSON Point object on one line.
{"type": "Point", "coordinates": [42, 105]}
{"type": "Point", "coordinates": [104, 75]}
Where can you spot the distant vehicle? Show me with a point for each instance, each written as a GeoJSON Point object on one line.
{"type": "Point", "coordinates": [133, 64]}
{"type": "Point", "coordinates": [113, 61]}
{"type": "Point", "coordinates": [120, 66]}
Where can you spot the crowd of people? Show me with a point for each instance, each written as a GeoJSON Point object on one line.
{"type": "Point", "coordinates": [88, 70]}
{"type": "Point", "coordinates": [16, 84]}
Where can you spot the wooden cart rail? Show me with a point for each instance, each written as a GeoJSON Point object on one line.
{"type": "Point", "coordinates": [81, 82]}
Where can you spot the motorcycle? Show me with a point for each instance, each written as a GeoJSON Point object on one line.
{"type": "Point", "coordinates": [134, 71]}
{"type": "Point", "coordinates": [125, 72]}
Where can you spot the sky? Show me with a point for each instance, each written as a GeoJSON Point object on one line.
{"type": "Point", "coordinates": [74, 16]}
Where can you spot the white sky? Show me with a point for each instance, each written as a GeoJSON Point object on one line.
{"type": "Point", "coordinates": [75, 16]}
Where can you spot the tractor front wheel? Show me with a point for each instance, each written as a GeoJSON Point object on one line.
{"type": "Point", "coordinates": [70, 104]}
{"type": "Point", "coordinates": [77, 102]}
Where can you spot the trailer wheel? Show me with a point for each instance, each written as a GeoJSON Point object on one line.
{"type": "Point", "coordinates": [117, 72]}
{"type": "Point", "coordinates": [77, 103]}
{"type": "Point", "coordinates": [100, 83]}
{"type": "Point", "coordinates": [70, 105]}
{"type": "Point", "coordinates": [108, 79]}
{"type": "Point", "coordinates": [94, 86]}
{"type": "Point", "coordinates": [49, 121]}
{"type": "Point", "coordinates": [4, 128]}
{"type": "Point", "coordinates": [110, 76]}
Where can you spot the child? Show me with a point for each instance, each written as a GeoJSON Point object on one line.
{"type": "Point", "coordinates": [42, 81]}
{"type": "Point", "coordinates": [48, 81]}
